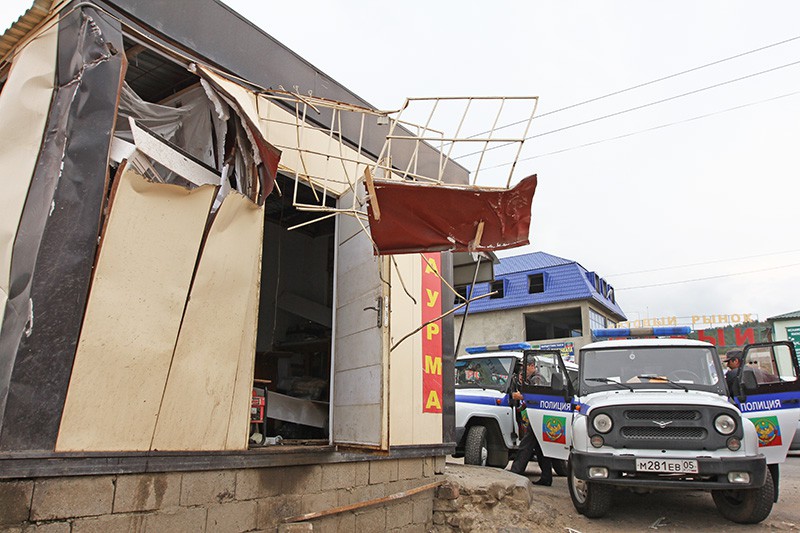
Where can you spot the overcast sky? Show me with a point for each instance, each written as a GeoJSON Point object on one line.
{"type": "Point", "coordinates": [697, 187]}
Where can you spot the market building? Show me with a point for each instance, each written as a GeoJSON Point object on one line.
{"type": "Point", "coordinates": [540, 298]}
{"type": "Point", "coordinates": [786, 327]}
{"type": "Point", "coordinates": [207, 321]}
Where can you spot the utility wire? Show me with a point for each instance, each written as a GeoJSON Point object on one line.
{"type": "Point", "coordinates": [704, 279]}
{"type": "Point", "coordinates": [645, 84]}
{"type": "Point", "coordinates": [703, 263]}
{"type": "Point", "coordinates": [646, 130]}
{"type": "Point", "coordinates": [637, 108]}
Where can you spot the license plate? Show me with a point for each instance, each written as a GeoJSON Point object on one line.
{"type": "Point", "coordinates": [667, 466]}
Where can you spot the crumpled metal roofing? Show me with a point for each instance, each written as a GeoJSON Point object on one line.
{"type": "Point", "coordinates": [785, 316]}
{"type": "Point", "coordinates": [24, 24]}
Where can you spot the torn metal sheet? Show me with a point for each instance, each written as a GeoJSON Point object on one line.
{"type": "Point", "coordinates": [244, 102]}
{"type": "Point", "coordinates": [297, 410]}
{"type": "Point", "coordinates": [217, 338]}
{"type": "Point", "coordinates": [144, 269]}
{"type": "Point", "coordinates": [172, 157]}
{"type": "Point", "coordinates": [57, 238]}
{"type": "Point", "coordinates": [424, 218]}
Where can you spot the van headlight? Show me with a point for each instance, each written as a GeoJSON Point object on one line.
{"type": "Point", "coordinates": [725, 424]}
{"type": "Point", "coordinates": [602, 423]}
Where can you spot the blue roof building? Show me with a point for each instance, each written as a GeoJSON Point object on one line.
{"type": "Point", "coordinates": [539, 298]}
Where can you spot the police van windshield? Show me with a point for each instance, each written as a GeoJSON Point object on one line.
{"type": "Point", "coordinates": [680, 367]}
{"type": "Point", "coordinates": [490, 372]}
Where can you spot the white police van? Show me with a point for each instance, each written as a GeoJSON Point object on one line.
{"type": "Point", "coordinates": [487, 428]}
{"type": "Point", "coordinates": [656, 413]}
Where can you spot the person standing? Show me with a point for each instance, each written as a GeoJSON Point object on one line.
{"type": "Point", "coordinates": [734, 363]}
{"type": "Point", "coordinates": [529, 443]}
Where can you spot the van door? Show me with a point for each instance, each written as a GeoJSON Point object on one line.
{"type": "Point", "coordinates": [774, 405]}
{"type": "Point", "coordinates": [549, 409]}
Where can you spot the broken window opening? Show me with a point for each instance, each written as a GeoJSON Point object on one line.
{"type": "Point", "coordinates": [559, 324]}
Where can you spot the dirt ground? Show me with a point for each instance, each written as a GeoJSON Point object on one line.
{"type": "Point", "coordinates": [551, 509]}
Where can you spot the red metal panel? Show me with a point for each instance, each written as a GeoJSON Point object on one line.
{"type": "Point", "coordinates": [418, 217]}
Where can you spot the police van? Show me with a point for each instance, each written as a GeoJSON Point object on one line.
{"type": "Point", "coordinates": [487, 427]}
{"type": "Point", "coordinates": [656, 413]}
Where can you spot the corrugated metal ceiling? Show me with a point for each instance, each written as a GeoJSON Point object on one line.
{"type": "Point", "coordinates": [24, 24]}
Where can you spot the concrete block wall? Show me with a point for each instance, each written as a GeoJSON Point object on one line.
{"type": "Point", "coordinates": [235, 501]}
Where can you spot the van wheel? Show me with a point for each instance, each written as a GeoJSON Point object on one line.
{"type": "Point", "coordinates": [560, 467]}
{"type": "Point", "coordinates": [475, 450]}
{"type": "Point", "coordinates": [592, 500]}
{"type": "Point", "coordinates": [746, 506]}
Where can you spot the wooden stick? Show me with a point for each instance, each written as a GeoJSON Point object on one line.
{"type": "Point", "coordinates": [376, 210]}
{"type": "Point", "coordinates": [359, 505]}
{"type": "Point", "coordinates": [476, 243]}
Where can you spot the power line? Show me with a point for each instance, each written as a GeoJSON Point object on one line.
{"type": "Point", "coordinates": [651, 82]}
{"type": "Point", "coordinates": [637, 108]}
{"type": "Point", "coordinates": [707, 278]}
{"type": "Point", "coordinates": [703, 263]}
{"type": "Point", "coordinates": [646, 130]}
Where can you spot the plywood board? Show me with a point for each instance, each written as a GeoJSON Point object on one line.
{"type": "Point", "coordinates": [216, 340]}
{"type": "Point", "coordinates": [141, 282]}
{"type": "Point", "coordinates": [24, 107]}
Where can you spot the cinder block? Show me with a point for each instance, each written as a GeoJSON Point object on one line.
{"type": "Point", "coordinates": [372, 520]}
{"type": "Point", "coordinates": [147, 492]}
{"type": "Point", "coordinates": [301, 479]}
{"type": "Point", "coordinates": [427, 467]}
{"type": "Point", "coordinates": [15, 502]}
{"type": "Point", "coordinates": [271, 511]}
{"type": "Point", "coordinates": [360, 494]}
{"type": "Point", "coordinates": [438, 464]}
{"type": "Point", "coordinates": [180, 520]}
{"type": "Point", "coordinates": [300, 527]}
{"type": "Point", "coordinates": [338, 476]}
{"type": "Point", "coordinates": [233, 517]}
{"type": "Point", "coordinates": [399, 514]}
{"type": "Point", "coordinates": [56, 498]}
{"type": "Point", "coordinates": [382, 471]}
{"type": "Point", "coordinates": [51, 527]}
{"type": "Point", "coordinates": [410, 468]}
{"type": "Point", "coordinates": [423, 509]}
{"type": "Point", "coordinates": [122, 523]}
{"type": "Point", "coordinates": [339, 523]}
{"type": "Point", "coordinates": [254, 483]}
{"type": "Point", "coordinates": [198, 488]}
{"type": "Point", "coordinates": [362, 473]}
{"type": "Point", "coordinates": [322, 501]}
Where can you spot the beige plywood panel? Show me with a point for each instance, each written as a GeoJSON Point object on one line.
{"type": "Point", "coordinates": [409, 424]}
{"type": "Point", "coordinates": [24, 107]}
{"type": "Point", "coordinates": [217, 337]}
{"type": "Point", "coordinates": [141, 282]}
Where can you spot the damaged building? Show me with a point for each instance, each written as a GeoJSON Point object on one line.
{"type": "Point", "coordinates": [220, 299]}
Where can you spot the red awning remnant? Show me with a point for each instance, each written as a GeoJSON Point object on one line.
{"type": "Point", "coordinates": [417, 217]}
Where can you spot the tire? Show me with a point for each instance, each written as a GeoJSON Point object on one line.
{"type": "Point", "coordinates": [592, 500]}
{"type": "Point", "coordinates": [746, 506]}
{"type": "Point", "coordinates": [475, 450]}
{"type": "Point", "coordinates": [560, 467]}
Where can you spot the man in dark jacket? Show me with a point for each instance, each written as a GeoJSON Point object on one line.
{"type": "Point", "coordinates": [734, 363]}
{"type": "Point", "coordinates": [529, 443]}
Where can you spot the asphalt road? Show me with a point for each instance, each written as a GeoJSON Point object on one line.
{"type": "Point", "coordinates": [669, 511]}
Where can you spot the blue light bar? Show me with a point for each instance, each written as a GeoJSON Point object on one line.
{"type": "Point", "coordinates": [663, 331]}
{"type": "Point", "coordinates": [498, 347]}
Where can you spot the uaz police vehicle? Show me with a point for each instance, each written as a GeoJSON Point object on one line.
{"type": "Point", "coordinates": [656, 414]}
{"type": "Point", "coordinates": [487, 428]}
